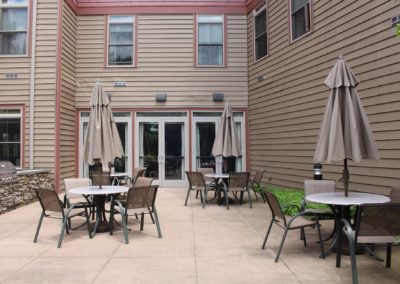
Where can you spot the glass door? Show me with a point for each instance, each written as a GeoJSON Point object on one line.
{"type": "Point", "coordinates": [161, 145]}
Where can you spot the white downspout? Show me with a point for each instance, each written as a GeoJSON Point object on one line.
{"type": "Point", "coordinates": [32, 87]}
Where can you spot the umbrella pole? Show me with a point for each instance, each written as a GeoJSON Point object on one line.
{"type": "Point", "coordinates": [346, 179]}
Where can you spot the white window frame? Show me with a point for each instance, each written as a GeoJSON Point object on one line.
{"type": "Point", "coordinates": [291, 21]}
{"type": "Point", "coordinates": [111, 21]}
{"type": "Point", "coordinates": [20, 5]}
{"type": "Point", "coordinates": [256, 12]}
{"type": "Point", "coordinates": [210, 19]}
{"type": "Point", "coordinates": [15, 115]}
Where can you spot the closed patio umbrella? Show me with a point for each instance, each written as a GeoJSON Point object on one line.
{"type": "Point", "coordinates": [102, 142]}
{"type": "Point", "coordinates": [345, 132]}
{"type": "Point", "coordinates": [227, 143]}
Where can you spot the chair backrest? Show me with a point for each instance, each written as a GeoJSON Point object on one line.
{"type": "Point", "coordinates": [151, 196]}
{"type": "Point", "coordinates": [100, 178]}
{"type": "Point", "coordinates": [319, 186]}
{"type": "Point", "coordinates": [141, 197]}
{"type": "Point", "coordinates": [139, 172]}
{"type": "Point", "coordinates": [395, 194]}
{"type": "Point", "coordinates": [143, 181]}
{"type": "Point", "coordinates": [378, 220]}
{"type": "Point", "coordinates": [275, 207]}
{"type": "Point", "coordinates": [196, 179]}
{"type": "Point", "coordinates": [71, 183]}
{"type": "Point", "coordinates": [49, 200]}
{"type": "Point", "coordinates": [258, 177]}
{"type": "Point", "coordinates": [238, 180]}
{"type": "Point", "coordinates": [205, 171]}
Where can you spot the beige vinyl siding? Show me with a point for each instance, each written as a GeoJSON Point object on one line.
{"type": "Point", "coordinates": [285, 109]}
{"type": "Point", "coordinates": [165, 50]}
{"type": "Point", "coordinates": [45, 81]}
{"type": "Point", "coordinates": [67, 105]}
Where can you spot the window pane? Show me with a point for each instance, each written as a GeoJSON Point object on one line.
{"type": "Point", "coordinates": [13, 43]}
{"type": "Point", "coordinates": [14, 19]}
{"type": "Point", "coordinates": [210, 54]}
{"type": "Point", "coordinates": [261, 23]}
{"type": "Point", "coordinates": [121, 34]}
{"type": "Point", "coordinates": [10, 152]}
{"type": "Point", "coordinates": [296, 4]}
{"type": "Point", "coordinates": [120, 55]}
{"type": "Point", "coordinates": [210, 33]}
{"type": "Point", "coordinates": [261, 46]}
{"type": "Point", "coordinates": [10, 130]}
{"type": "Point", "coordinates": [119, 19]}
{"type": "Point", "coordinates": [301, 22]}
{"type": "Point", "coordinates": [20, 2]}
{"type": "Point", "coordinates": [210, 18]}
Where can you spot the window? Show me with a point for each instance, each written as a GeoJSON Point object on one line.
{"type": "Point", "coordinates": [13, 27]}
{"type": "Point", "coordinates": [300, 17]}
{"type": "Point", "coordinates": [260, 31]}
{"type": "Point", "coordinates": [120, 40]}
{"type": "Point", "coordinates": [10, 135]}
{"type": "Point", "coordinates": [210, 40]}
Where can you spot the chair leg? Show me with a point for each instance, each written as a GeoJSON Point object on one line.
{"type": "Point", "coordinates": [250, 201]}
{"type": "Point", "coordinates": [187, 196]}
{"type": "Point", "coordinates": [320, 240]}
{"type": "Point", "coordinates": [151, 216]}
{"type": "Point", "coordinates": [38, 227]}
{"type": "Point", "coordinates": [124, 225]}
{"type": "Point", "coordinates": [303, 236]}
{"type": "Point", "coordinates": [64, 226]}
{"type": "Point", "coordinates": [201, 196]}
{"type": "Point", "coordinates": [388, 255]}
{"type": "Point", "coordinates": [281, 245]}
{"type": "Point", "coordinates": [241, 198]}
{"type": "Point", "coordinates": [141, 221]}
{"type": "Point", "coordinates": [266, 236]}
{"type": "Point", "coordinates": [197, 194]}
{"type": "Point", "coordinates": [255, 193]}
{"type": "Point", "coordinates": [157, 222]}
{"type": "Point", "coordinates": [87, 222]}
{"type": "Point", "coordinates": [111, 221]}
{"type": "Point", "coordinates": [205, 198]}
{"type": "Point", "coordinates": [338, 249]}
{"type": "Point", "coordinates": [353, 260]}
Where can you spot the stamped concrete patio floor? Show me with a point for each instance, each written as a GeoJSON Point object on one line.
{"type": "Point", "coordinates": [210, 245]}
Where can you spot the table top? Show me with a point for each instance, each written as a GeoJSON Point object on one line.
{"type": "Point", "coordinates": [94, 190]}
{"type": "Point", "coordinates": [354, 198]}
{"type": "Point", "coordinates": [118, 174]}
{"type": "Point", "coordinates": [217, 175]}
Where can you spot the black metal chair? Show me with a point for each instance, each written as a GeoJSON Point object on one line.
{"type": "Point", "coordinates": [375, 224]}
{"type": "Point", "coordinates": [53, 207]}
{"type": "Point", "coordinates": [290, 223]}
{"type": "Point", "coordinates": [140, 201]}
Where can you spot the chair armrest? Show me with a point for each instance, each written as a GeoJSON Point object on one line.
{"type": "Point", "coordinates": [302, 213]}
{"type": "Point", "coordinates": [291, 205]}
{"type": "Point", "coordinates": [348, 230]}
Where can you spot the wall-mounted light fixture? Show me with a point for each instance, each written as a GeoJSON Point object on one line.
{"type": "Point", "coordinates": [161, 97]}
{"type": "Point", "coordinates": [120, 84]}
{"type": "Point", "coordinates": [218, 97]}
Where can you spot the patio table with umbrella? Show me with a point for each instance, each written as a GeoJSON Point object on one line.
{"type": "Point", "coordinates": [102, 143]}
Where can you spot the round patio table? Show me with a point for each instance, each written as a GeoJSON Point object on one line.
{"type": "Point", "coordinates": [340, 206]}
{"type": "Point", "coordinates": [219, 183]}
{"type": "Point", "coordinates": [99, 196]}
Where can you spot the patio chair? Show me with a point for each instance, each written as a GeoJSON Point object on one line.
{"type": "Point", "coordinates": [100, 178]}
{"type": "Point", "coordinates": [198, 183]}
{"type": "Point", "coordinates": [319, 186]}
{"type": "Point", "coordinates": [53, 207]}
{"type": "Point", "coordinates": [288, 223]}
{"type": "Point", "coordinates": [78, 200]}
{"type": "Point", "coordinates": [376, 224]}
{"type": "Point", "coordinates": [255, 182]}
{"type": "Point", "coordinates": [237, 183]}
{"type": "Point", "coordinates": [137, 172]}
{"type": "Point", "coordinates": [209, 181]}
{"type": "Point", "coordinates": [395, 194]}
{"type": "Point", "coordinates": [140, 201]}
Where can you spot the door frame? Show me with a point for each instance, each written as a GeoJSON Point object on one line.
{"type": "Point", "coordinates": [161, 149]}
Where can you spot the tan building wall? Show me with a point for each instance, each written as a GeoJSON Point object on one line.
{"type": "Point", "coordinates": [67, 99]}
{"type": "Point", "coordinates": [165, 51]}
{"type": "Point", "coordinates": [285, 109]}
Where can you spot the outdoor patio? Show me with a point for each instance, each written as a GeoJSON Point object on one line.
{"type": "Point", "coordinates": [211, 245]}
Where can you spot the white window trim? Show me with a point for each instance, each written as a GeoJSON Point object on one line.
{"type": "Point", "coordinates": [16, 115]}
{"type": "Point", "coordinates": [291, 23]}
{"type": "Point", "coordinates": [133, 22]}
{"type": "Point", "coordinates": [210, 19]}
{"type": "Point", "coordinates": [256, 12]}
{"type": "Point", "coordinates": [28, 26]}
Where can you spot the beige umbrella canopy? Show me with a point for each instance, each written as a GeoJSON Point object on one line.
{"type": "Point", "coordinates": [227, 143]}
{"type": "Point", "coordinates": [102, 141]}
{"type": "Point", "coordinates": [345, 132]}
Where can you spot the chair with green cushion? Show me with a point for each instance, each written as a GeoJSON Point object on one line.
{"type": "Point", "coordinates": [53, 207]}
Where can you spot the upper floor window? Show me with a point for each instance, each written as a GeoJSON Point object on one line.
{"type": "Point", "coordinates": [210, 40]}
{"type": "Point", "coordinates": [260, 31]}
{"type": "Point", "coordinates": [13, 27]}
{"type": "Point", "coordinates": [10, 135]}
{"type": "Point", "coordinates": [300, 17]}
{"type": "Point", "coordinates": [120, 40]}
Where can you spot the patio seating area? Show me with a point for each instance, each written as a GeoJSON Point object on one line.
{"type": "Point", "coordinates": [198, 245]}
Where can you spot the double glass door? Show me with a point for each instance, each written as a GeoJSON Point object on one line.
{"type": "Point", "coordinates": [161, 149]}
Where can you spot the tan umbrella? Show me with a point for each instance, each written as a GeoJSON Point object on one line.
{"type": "Point", "coordinates": [102, 142]}
{"type": "Point", "coordinates": [345, 132]}
{"type": "Point", "coordinates": [227, 143]}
